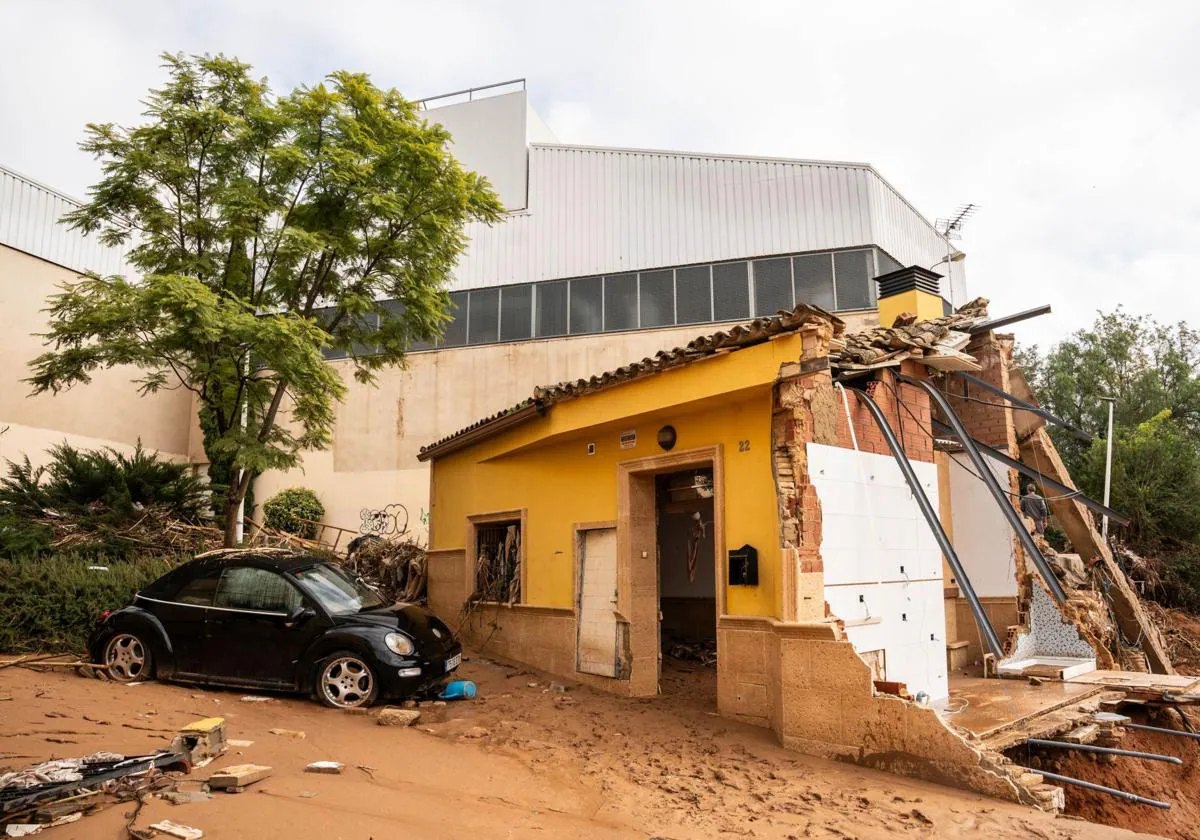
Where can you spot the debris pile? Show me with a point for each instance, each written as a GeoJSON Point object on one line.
{"type": "Point", "coordinates": [395, 568]}
{"type": "Point", "coordinates": [155, 528]}
{"type": "Point", "coordinates": [704, 652]}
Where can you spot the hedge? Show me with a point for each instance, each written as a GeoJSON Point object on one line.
{"type": "Point", "coordinates": [294, 511]}
{"type": "Point", "coordinates": [50, 603]}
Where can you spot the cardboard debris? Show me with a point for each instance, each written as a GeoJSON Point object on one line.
{"type": "Point", "coordinates": [173, 829]}
{"type": "Point", "coordinates": [331, 767]}
{"type": "Point", "coordinates": [238, 776]}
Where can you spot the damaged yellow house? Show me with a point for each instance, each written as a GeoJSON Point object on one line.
{"type": "Point", "coordinates": [790, 492]}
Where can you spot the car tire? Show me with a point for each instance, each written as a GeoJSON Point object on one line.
{"type": "Point", "coordinates": [128, 657]}
{"type": "Point", "coordinates": [344, 680]}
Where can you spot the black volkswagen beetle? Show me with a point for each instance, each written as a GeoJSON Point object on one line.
{"type": "Point", "coordinates": [275, 619]}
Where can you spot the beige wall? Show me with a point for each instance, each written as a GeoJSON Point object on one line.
{"type": "Point", "coordinates": [106, 412]}
{"type": "Point", "coordinates": [381, 427]}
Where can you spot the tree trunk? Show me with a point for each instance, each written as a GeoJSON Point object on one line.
{"type": "Point", "coordinates": [233, 503]}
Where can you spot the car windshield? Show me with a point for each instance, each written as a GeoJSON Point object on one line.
{"type": "Point", "coordinates": [336, 591]}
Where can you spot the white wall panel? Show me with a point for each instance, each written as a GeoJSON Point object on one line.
{"type": "Point", "coordinates": [983, 538]}
{"type": "Point", "coordinates": [29, 214]}
{"type": "Point", "coordinates": [883, 568]}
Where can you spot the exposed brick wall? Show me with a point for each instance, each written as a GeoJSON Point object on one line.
{"type": "Point", "coordinates": [910, 423]}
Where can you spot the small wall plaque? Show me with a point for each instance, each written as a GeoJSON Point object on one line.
{"type": "Point", "coordinates": [628, 439]}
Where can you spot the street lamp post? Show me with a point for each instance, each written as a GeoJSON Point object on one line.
{"type": "Point", "coordinates": [1107, 466]}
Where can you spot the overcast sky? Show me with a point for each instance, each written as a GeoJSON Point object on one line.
{"type": "Point", "coordinates": [1075, 125]}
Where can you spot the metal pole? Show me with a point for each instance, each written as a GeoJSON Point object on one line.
{"type": "Point", "coordinates": [1123, 794]}
{"type": "Point", "coordinates": [1107, 466]}
{"type": "Point", "coordinates": [1161, 729]}
{"type": "Point", "coordinates": [993, 486]}
{"type": "Point", "coordinates": [1092, 748]}
{"type": "Point", "coordinates": [935, 525]}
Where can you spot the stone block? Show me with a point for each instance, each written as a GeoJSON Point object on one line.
{"type": "Point", "coordinates": [398, 717]}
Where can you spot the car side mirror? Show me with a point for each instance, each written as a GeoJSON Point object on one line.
{"type": "Point", "coordinates": [299, 615]}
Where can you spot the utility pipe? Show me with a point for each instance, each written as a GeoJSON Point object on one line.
{"type": "Point", "coordinates": [1123, 794]}
{"type": "Point", "coordinates": [935, 525]}
{"type": "Point", "coordinates": [1092, 748]}
{"type": "Point", "coordinates": [1162, 730]}
{"type": "Point", "coordinates": [993, 486]}
{"type": "Point", "coordinates": [1107, 467]}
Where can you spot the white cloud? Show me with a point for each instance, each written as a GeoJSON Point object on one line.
{"type": "Point", "coordinates": [1073, 124]}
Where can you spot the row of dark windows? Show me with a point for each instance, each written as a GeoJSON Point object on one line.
{"type": "Point", "coordinates": [697, 294]}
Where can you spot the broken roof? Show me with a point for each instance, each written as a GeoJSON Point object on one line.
{"type": "Point", "coordinates": [870, 348]}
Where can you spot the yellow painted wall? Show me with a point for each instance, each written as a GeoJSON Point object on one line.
{"type": "Point", "coordinates": [924, 305]}
{"type": "Point", "coordinates": [542, 466]}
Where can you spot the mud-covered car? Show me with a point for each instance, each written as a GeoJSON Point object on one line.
{"type": "Point", "coordinates": [277, 620]}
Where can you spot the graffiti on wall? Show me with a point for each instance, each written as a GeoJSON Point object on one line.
{"type": "Point", "coordinates": [387, 521]}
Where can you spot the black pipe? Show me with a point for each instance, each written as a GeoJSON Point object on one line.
{"type": "Point", "coordinates": [993, 486]}
{"type": "Point", "coordinates": [1123, 794]}
{"type": "Point", "coordinates": [941, 428]}
{"type": "Point", "coordinates": [1092, 748]}
{"type": "Point", "coordinates": [1009, 319]}
{"type": "Point", "coordinates": [935, 525]}
{"type": "Point", "coordinates": [1161, 729]}
{"type": "Point", "coordinates": [1017, 402]}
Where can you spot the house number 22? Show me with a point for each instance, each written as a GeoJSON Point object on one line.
{"type": "Point", "coordinates": [743, 446]}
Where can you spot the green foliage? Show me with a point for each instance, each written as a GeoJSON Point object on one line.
{"type": "Point", "coordinates": [268, 227]}
{"type": "Point", "coordinates": [1181, 581]}
{"type": "Point", "coordinates": [1155, 481]}
{"type": "Point", "coordinates": [293, 511]}
{"type": "Point", "coordinates": [101, 485]}
{"type": "Point", "coordinates": [1153, 371]}
{"type": "Point", "coordinates": [50, 603]}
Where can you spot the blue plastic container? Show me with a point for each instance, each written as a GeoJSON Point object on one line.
{"type": "Point", "coordinates": [459, 690]}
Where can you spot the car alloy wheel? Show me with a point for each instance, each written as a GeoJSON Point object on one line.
{"type": "Point", "coordinates": [126, 658]}
{"type": "Point", "coordinates": [347, 682]}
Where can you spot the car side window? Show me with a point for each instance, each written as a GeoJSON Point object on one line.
{"type": "Point", "coordinates": [247, 588]}
{"type": "Point", "coordinates": [198, 592]}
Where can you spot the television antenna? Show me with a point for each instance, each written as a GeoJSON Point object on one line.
{"type": "Point", "coordinates": [951, 226]}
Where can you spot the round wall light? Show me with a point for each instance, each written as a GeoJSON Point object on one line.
{"type": "Point", "coordinates": [666, 437]}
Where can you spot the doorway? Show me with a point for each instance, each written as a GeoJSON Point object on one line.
{"type": "Point", "coordinates": [687, 584]}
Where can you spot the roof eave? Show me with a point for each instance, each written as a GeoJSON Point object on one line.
{"type": "Point", "coordinates": [481, 432]}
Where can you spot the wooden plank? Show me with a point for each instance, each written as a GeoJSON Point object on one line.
{"type": "Point", "coordinates": [238, 776]}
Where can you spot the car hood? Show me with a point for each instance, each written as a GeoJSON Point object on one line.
{"type": "Point", "coordinates": [416, 622]}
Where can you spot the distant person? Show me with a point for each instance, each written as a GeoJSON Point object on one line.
{"type": "Point", "coordinates": [1034, 506]}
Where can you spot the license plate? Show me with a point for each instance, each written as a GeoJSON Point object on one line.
{"type": "Point", "coordinates": [453, 662]}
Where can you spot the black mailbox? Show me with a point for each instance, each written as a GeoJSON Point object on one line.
{"type": "Point", "coordinates": [743, 566]}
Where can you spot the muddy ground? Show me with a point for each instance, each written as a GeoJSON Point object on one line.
{"type": "Point", "coordinates": [520, 761]}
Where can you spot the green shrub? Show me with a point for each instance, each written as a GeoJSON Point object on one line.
{"type": "Point", "coordinates": [293, 511]}
{"type": "Point", "coordinates": [1181, 581]}
{"type": "Point", "coordinates": [50, 603]}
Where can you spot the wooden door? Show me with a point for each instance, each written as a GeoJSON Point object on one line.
{"type": "Point", "coordinates": [596, 642]}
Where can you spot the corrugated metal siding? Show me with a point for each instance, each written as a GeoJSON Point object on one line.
{"type": "Point", "coordinates": [593, 211]}
{"type": "Point", "coordinates": [29, 214]}
{"type": "Point", "coordinates": [909, 237]}
{"type": "Point", "coordinates": [597, 210]}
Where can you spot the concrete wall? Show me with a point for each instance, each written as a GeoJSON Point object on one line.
{"type": "Point", "coordinates": [380, 428]}
{"type": "Point", "coordinates": [490, 138]}
{"type": "Point", "coordinates": [106, 412]}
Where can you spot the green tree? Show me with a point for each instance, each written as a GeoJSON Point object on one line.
{"type": "Point", "coordinates": [1155, 481]}
{"type": "Point", "coordinates": [1149, 367]}
{"type": "Point", "coordinates": [268, 228]}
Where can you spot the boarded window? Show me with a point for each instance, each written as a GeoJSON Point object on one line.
{"type": "Point", "coordinates": [814, 280]}
{"type": "Point", "coordinates": [456, 331]}
{"type": "Point", "coordinates": [620, 302]}
{"type": "Point", "coordinates": [658, 298]}
{"type": "Point", "coordinates": [498, 562]}
{"type": "Point", "coordinates": [516, 312]}
{"type": "Point", "coordinates": [693, 294]}
{"type": "Point", "coordinates": [550, 308]}
{"type": "Point", "coordinates": [772, 286]}
{"type": "Point", "coordinates": [587, 305]}
{"type": "Point", "coordinates": [483, 327]}
{"type": "Point", "coordinates": [853, 270]}
{"type": "Point", "coordinates": [731, 291]}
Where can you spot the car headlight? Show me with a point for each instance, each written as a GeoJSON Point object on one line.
{"type": "Point", "coordinates": [399, 644]}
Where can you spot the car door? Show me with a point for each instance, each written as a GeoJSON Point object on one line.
{"type": "Point", "coordinates": [248, 638]}
{"type": "Point", "coordinates": [182, 610]}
